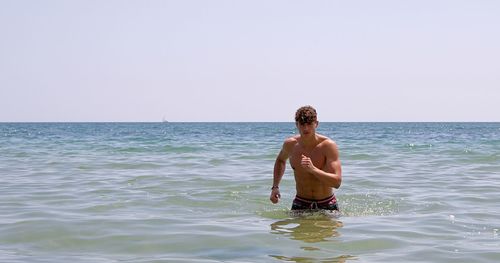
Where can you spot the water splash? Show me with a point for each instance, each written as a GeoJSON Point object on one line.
{"type": "Point", "coordinates": [368, 205]}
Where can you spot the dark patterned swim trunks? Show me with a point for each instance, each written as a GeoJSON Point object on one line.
{"type": "Point", "coordinates": [329, 203]}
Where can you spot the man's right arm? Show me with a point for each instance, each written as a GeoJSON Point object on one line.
{"type": "Point", "coordinates": [279, 170]}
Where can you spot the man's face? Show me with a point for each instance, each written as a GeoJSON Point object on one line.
{"type": "Point", "coordinates": [307, 129]}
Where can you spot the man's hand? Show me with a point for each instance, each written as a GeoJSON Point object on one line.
{"type": "Point", "coordinates": [307, 163]}
{"type": "Point", "coordinates": [275, 195]}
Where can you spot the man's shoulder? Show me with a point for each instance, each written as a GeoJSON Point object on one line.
{"type": "Point", "coordinates": [290, 143]}
{"type": "Point", "coordinates": [292, 140]}
{"type": "Point", "coordinates": [327, 142]}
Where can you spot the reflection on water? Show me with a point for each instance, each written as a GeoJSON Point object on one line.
{"type": "Point", "coordinates": [340, 259]}
{"type": "Point", "coordinates": [310, 228]}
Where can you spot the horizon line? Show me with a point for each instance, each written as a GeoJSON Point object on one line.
{"type": "Point", "coordinates": [166, 122]}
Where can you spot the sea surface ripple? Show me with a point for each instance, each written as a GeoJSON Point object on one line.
{"type": "Point", "coordinates": [199, 192]}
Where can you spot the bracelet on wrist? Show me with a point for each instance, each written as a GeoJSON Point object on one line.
{"type": "Point", "coordinates": [275, 187]}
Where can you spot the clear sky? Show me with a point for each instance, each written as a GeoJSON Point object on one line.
{"type": "Point", "coordinates": [183, 60]}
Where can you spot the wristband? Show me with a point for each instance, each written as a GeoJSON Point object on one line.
{"type": "Point", "coordinates": [275, 187]}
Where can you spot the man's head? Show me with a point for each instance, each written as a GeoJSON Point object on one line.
{"type": "Point", "coordinates": [306, 115]}
{"type": "Point", "coordinates": [306, 121]}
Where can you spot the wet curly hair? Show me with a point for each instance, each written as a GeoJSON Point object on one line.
{"type": "Point", "coordinates": [306, 115]}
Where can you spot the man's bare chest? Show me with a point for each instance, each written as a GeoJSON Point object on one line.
{"type": "Point", "coordinates": [317, 156]}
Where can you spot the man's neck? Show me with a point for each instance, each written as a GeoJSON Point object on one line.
{"type": "Point", "coordinates": [309, 140]}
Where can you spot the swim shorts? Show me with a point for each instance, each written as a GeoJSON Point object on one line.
{"type": "Point", "coordinates": [329, 203]}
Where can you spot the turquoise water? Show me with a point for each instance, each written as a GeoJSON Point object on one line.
{"type": "Point", "coordinates": [198, 192]}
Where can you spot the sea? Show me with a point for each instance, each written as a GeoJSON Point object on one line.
{"type": "Point", "coordinates": [199, 192]}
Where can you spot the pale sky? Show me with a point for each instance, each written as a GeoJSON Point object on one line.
{"type": "Point", "coordinates": [399, 60]}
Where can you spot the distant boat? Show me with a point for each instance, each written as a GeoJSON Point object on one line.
{"type": "Point", "coordinates": [163, 120]}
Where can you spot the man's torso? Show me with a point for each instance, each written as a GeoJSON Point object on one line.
{"type": "Point", "coordinates": [308, 186]}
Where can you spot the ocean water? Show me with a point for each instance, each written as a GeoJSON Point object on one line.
{"type": "Point", "coordinates": [199, 192]}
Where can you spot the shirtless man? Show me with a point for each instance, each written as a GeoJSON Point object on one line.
{"type": "Point", "coordinates": [316, 164]}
